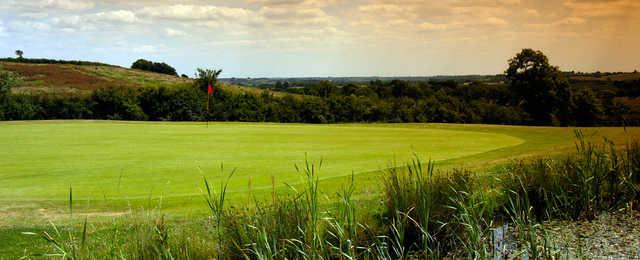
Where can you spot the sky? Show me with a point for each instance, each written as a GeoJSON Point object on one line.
{"type": "Point", "coordinates": [299, 38]}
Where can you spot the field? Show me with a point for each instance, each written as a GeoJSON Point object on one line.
{"type": "Point", "coordinates": [118, 168]}
{"type": "Point", "coordinates": [119, 164]}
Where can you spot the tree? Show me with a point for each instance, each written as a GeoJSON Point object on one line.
{"type": "Point", "coordinates": [19, 53]}
{"type": "Point", "coordinates": [539, 88]}
{"type": "Point", "coordinates": [158, 67]}
{"type": "Point", "coordinates": [204, 77]}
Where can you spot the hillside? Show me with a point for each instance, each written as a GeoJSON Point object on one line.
{"type": "Point", "coordinates": [74, 78]}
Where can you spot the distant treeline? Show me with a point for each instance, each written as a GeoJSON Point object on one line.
{"type": "Point", "coordinates": [50, 61]}
{"type": "Point", "coordinates": [396, 101]}
{"type": "Point", "coordinates": [540, 97]}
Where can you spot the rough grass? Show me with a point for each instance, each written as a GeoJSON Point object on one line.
{"type": "Point", "coordinates": [82, 79]}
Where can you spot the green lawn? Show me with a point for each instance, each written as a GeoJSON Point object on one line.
{"type": "Point", "coordinates": [118, 168]}
{"type": "Point", "coordinates": [118, 165]}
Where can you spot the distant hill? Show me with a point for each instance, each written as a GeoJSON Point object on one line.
{"type": "Point", "coordinates": [55, 76]}
{"type": "Point", "coordinates": [592, 79]}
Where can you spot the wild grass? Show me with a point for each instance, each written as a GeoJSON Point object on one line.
{"type": "Point", "coordinates": [425, 214]}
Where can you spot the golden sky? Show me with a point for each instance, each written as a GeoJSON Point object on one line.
{"type": "Point", "coordinates": [328, 37]}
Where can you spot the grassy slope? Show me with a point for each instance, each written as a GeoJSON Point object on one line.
{"type": "Point", "coordinates": [68, 78]}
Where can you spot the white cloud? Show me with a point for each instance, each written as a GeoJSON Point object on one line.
{"type": "Point", "coordinates": [197, 12]}
{"type": "Point", "coordinates": [71, 5]}
{"type": "Point", "coordinates": [170, 32]}
{"type": "Point", "coordinates": [123, 16]}
{"type": "Point", "coordinates": [293, 3]}
{"type": "Point", "coordinates": [68, 4]}
{"type": "Point", "coordinates": [145, 49]}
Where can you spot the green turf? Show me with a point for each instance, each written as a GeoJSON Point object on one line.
{"type": "Point", "coordinates": [116, 168]}
{"type": "Point", "coordinates": [120, 164]}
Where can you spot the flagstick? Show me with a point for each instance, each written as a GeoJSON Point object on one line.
{"type": "Point", "coordinates": [208, 105]}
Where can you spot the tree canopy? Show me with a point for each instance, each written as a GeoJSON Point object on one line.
{"type": "Point", "coordinates": [539, 87]}
{"type": "Point", "coordinates": [158, 67]}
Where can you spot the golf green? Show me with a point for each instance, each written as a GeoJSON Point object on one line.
{"type": "Point", "coordinates": [126, 160]}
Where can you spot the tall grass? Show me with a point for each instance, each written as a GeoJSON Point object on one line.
{"type": "Point", "coordinates": [597, 177]}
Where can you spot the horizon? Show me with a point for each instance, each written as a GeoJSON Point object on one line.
{"type": "Point", "coordinates": [327, 38]}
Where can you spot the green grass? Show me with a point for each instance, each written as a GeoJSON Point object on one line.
{"type": "Point", "coordinates": [118, 165]}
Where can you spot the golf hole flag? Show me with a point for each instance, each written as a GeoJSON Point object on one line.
{"type": "Point", "coordinates": [210, 90]}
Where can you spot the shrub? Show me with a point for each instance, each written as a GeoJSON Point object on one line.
{"type": "Point", "coordinates": [158, 67]}
{"type": "Point", "coordinates": [117, 104]}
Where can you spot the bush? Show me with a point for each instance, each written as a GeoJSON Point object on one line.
{"type": "Point", "coordinates": [116, 104]}
{"type": "Point", "coordinates": [7, 81]}
{"type": "Point", "coordinates": [158, 67]}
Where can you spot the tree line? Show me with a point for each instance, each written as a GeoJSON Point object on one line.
{"type": "Point", "coordinates": [536, 94]}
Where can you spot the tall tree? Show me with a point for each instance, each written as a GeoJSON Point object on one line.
{"type": "Point", "coordinates": [540, 88]}
{"type": "Point", "coordinates": [19, 53]}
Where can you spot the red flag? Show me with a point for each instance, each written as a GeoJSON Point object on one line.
{"type": "Point", "coordinates": [210, 90]}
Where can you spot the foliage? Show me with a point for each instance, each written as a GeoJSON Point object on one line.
{"type": "Point", "coordinates": [7, 81]}
{"type": "Point", "coordinates": [172, 104]}
{"type": "Point", "coordinates": [116, 104]}
{"type": "Point", "coordinates": [52, 61]}
{"type": "Point", "coordinates": [539, 87]}
{"type": "Point", "coordinates": [158, 67]}
{"type": "Point", "coordinates": [204, 77]}
{"type": "Point", "coordinates": [537, 93]}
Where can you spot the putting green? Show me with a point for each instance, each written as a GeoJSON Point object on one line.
{"type": "Point", "coordinates": [126, 160]}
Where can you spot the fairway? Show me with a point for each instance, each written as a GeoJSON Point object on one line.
{"type": "Point", "coordinates": [133, 160]}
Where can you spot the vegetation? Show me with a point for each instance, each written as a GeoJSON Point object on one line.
{"type": "Point", "coordinates": [540, 89]}
{"type": "Point", "coordinates": [534, 93]}
{"type": "Point", "coordinates": [204, 77]}
{"type": "Point", "coordinates": [19, 53]}
{"type": "Point", "coordinates": [425, 214]}
{"type": "Point", "coordinates": [7, 81]}
{"type": "Point", "coordinates": [158, 67]}
{"type": "Point", "coordinates": [52, 61]}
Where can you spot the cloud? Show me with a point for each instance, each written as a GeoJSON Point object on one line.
{"type": "Point", "coordinates": [197, 12]}
{"type": "Point", "coordinates": [432, 27]}
{"type": "Point", "coordinates": [494, 21]}
{"type": "Point", "coordinates": [570, 21]}
{"type": "Point", "coordinates": [293, 3]}
{"type": "Point", "coordinates": [170, 32]}
{"type": "Point", "coordinates": [145, 49]}
{"type": "Point", "coordinates": [71, 5]}
{"type": "Point", "coordinates": [122, 16]}
{"type": "Point", "coordinates": [21, 26]}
